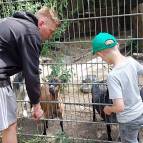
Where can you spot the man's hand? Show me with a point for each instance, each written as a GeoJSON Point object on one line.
{"type": "Point", "coordinates": [107, 110]}
{"type": "Point", "coordinates": [37, 112]}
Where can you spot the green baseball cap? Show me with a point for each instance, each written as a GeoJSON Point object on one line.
{"type": "Point", "coordinates": [103, 41]}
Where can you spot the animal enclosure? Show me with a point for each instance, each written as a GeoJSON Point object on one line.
{"type": "Point", "coordinates": [68, 56]}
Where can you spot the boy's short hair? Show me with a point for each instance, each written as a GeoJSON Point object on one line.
{"type": "Point", "coordinates": [103, 41]}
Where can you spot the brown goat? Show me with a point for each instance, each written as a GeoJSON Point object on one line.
{"type": "Point", "coordinates": [51, 92]}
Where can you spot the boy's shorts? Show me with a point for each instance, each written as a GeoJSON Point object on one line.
{"type": "Point", "coordinates": [8, 107]}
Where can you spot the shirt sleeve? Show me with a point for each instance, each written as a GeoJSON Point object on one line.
{"type": "Point", "coordinates": [114, 87]}
{"type": "Point", "coordinates": [139, 68]}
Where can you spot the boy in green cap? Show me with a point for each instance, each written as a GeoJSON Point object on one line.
{"type": "Point", "coordinates": [123, 87]}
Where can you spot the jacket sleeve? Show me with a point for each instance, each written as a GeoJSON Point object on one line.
{"type": "Point", "coordinates": [30, 52]}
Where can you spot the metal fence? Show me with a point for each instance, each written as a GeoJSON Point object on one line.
{"type": "Point", "coordinates": [69, 53]}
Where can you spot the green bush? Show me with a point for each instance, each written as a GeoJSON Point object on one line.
{"type": "Point", "coordinates": [62, 138]}
{"type": "Point", "coordinates": [60, 71]}
{"type": "Point", "coordinates": [59, 138]}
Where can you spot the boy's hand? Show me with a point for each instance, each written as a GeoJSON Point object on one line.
{"type": "Point", "coordinates": [37, 112]}
{"type": "Point", "coordinates": [118, 106]}
{"type": "Point", "coordinates": [107, 110]}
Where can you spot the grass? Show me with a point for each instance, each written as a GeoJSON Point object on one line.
{"type": "Point", "coordinates": [59, 138]}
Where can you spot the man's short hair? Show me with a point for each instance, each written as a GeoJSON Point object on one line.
{"type": "Point", "coordinates": [49, 13]}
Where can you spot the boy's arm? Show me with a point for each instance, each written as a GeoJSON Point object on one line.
{"type": "Point", "coordinates": [115, 93]}
{"type": "Point", "coordinates": [118, 106]}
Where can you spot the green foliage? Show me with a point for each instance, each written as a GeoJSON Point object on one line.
{"type": "Point", "coordinates": [62, 138]}
{"type": "Point", "coordinates": [28, 6]}
{"type": "Point", "coordinates": [60, 71]}
{"type": "Point", "coordinates": [7, 9]}
{"type": "Point", "coordinates": [59, 138]}
{"type": "Point", "coordinates": [59, 5]}
{"type": "Point", "coordinates": [60, 30]}
{"type": "Point", "coordinates": [23, 139]}
{"type": "Point", "coordinates": [45, 49]}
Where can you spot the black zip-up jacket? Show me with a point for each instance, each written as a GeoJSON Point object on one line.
{"type": "Point", "coordinates": [20, 46]}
